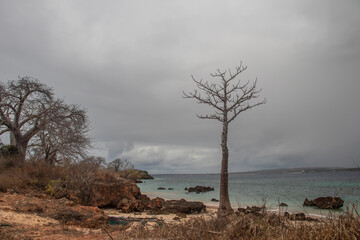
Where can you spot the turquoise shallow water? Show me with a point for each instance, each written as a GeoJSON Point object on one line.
{"type": "Point", "coordinates": [247, 189]}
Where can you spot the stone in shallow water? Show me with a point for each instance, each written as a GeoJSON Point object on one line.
{"type": "Point", "coordinates": [199, 189]}
{"type": "Point", "coordinates": [325, 202]}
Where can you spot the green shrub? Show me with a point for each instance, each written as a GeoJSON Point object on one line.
{"type": "Point", "coordinates": [8, 150]}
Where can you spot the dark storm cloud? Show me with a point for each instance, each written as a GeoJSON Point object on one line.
{"type": "Point", "coordinates": [128, 62]}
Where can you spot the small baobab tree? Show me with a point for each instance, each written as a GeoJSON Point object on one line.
{"type": "Point", "coordinates": [229, 97]}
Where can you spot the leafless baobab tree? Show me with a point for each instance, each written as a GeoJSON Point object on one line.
{"type": "Point", "coordinates": [24, 108]}
{"type": "Point", "coordinates": [229, 97]}
{"type": "Point", "coordinates": [36, 120]}
{"type": "Point", "coordinates": [64, 137]}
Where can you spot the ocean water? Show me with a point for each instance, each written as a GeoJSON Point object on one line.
{"type": "Point", "coordinates": [272, 188]}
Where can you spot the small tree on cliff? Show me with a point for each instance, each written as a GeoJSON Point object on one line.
{"type": "Point", "coordinates": [229, 97]}
{"type": "Point", "coordinates": [120, 165]}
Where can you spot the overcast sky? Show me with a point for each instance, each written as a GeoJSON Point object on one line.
{"type": "Point", "coordinates": [127, 63]}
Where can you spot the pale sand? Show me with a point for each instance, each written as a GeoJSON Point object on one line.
{"type": "Point", "coordinates": [30, 219]}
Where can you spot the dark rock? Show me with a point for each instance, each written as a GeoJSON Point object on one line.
{"type": "Point", "coordinates": [310, 219]}
{"type": "Point", "coordinates": [214, 200]}
{"type": "Point", "coordinates": [170, 189]}
{"type": "Point", "coordinates": [183, 206]}
{"type": "Point", "coordinates": [161, 188]}
{"type": "Point", "coordinates": [124, 195]}
{"type": "Point", "coordinates": [176, 219]}
{"type": "Point", "coordinates": [241, 210]}
{"type": "Point", "coordinates": [186, 189]}
{"type": "Point", "coordinates": [325, 202]}
{"type": "Point", "coordinates": [199, 189]}
{"type": "Point", "coordinates": [296, 216]}
{"type": "Point", "coordinates": [283, 204]}
{"type": "Point", "coordinates": [255, 208]}
{"type": "Point", "coordinates": [138, 181]}
{"type": "Point", "coordinates": [152, 204]}
{"type": "Point", "coordinates": [157, 203]}
{"type": "Point", "coordinates": [128, 206]}
{"type": "Point", "coordinates": [299, 216]}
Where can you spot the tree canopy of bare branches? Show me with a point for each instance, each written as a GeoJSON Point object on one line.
{"type": "Point", "coordinates": [228, 96]}
{"type": "Point", "coordinates": [119, 164]}
{"type": "Point", "coordinates": [33, 117]}
{"type": "Point", "coordinates": [25, 105]}
{"type": "Point", "coordinates": [65, 136]}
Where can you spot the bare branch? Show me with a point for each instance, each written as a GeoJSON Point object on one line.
{"type": "Point", "coordinates": [229, 100]}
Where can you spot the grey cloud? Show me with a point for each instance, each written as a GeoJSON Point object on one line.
{"type": "Point", "coordinates": [127, 63]}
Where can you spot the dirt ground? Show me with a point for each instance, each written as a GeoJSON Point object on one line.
{"type": "Point", "coordinates": [37, 216]}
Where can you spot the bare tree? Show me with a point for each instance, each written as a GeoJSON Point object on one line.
{"type": "Point", "coordinates": [229, 97]}
{"type": "Point", "coordinates": [25, 105]}
{"type": "Point", "coordinates": [64, 137]}
{"type": "Point", "coordinates": [120, 165]}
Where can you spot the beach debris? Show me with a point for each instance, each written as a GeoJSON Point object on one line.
{"type": "Point", "coordinates": [119, 220]}
{"type": "Point", "coordinates": [183, 206]}
{"type": "Point", "coordinates": [214, 200]}
{"type": "Point", "coordinates": [199, 189]}
{"type": "Point", "coordinates": [161, 188]}
{"type": "Point", "coordinates": [283, 204]}
{"type": "Point", "coordinates": [325, 202]}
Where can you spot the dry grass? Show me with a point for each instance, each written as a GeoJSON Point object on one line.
{"type": "Point", "coordinates": [247, 226]}
{"type": "Point", "coordinates": [28, 175]}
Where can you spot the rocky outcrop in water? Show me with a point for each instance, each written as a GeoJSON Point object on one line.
{"type": "Point", "coordinates": [199, 189]}
{"type": "Point", "coordinates": [136, 174]}
{"type": "Point", "coordinates": [325, 202]}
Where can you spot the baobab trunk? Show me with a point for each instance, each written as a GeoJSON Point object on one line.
{"type": "Point", "coordinates": [224, 205]}
{"type": "Point", "coordinates": [20, 144]}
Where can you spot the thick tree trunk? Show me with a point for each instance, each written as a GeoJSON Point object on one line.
{"type": "Point", "coordinates": [22, 147]}
{"type": "Point", "coordinates": [224, 205]}
{"type": "Point", "coordinates": [12, 139]}
{"type": "Point", "coordinates": [20, 144]}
